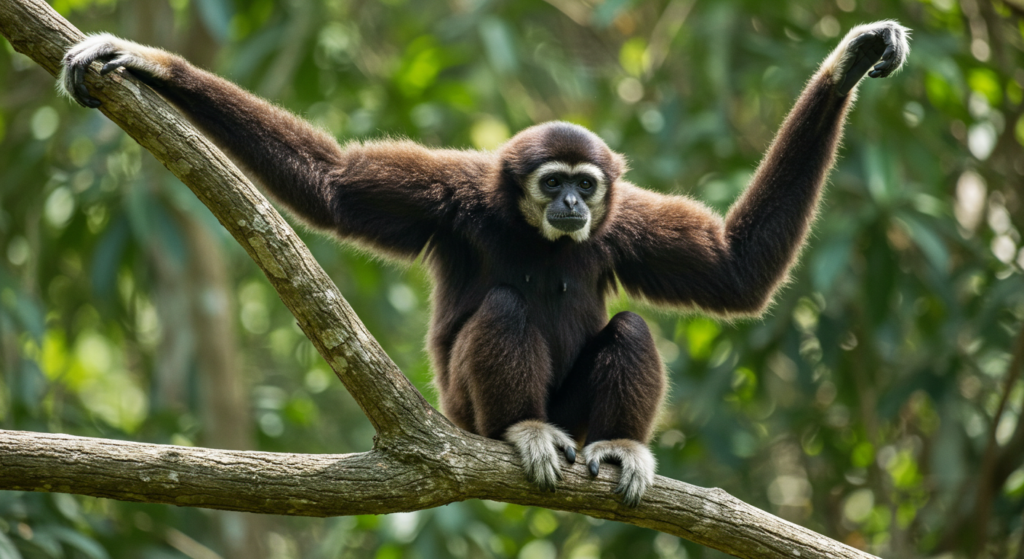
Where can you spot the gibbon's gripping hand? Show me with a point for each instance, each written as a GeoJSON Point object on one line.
{"type": "Point", "coordinates": [114, 53]}
{"type": "Point", "coordinates": [635, 459]}
{"type": "Point", "coordinates": [537, 444]}
{"type": "Point", "coordinates": [876, 49]}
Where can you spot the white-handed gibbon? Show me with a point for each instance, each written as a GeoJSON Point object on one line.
{"type": "Point", "coordinates": [526, 243]}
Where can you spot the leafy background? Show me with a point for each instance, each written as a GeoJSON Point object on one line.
{"type": "Point", "coordinates": [877, 403]}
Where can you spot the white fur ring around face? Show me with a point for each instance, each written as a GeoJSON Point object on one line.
{"type": "Point", "coordinates": [635, 459]}
{"type": "Point", "coordinates": [538, 445]}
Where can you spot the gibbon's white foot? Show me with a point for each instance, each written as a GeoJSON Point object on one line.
{"type": "Point", "coordinates": [538, 444]}
{"type": "Point", "coordinates": [115, 53]}
{"type": "Point", "coordinates": [633, 457]}
{"type": "Point", "coordinates": [876, 49]}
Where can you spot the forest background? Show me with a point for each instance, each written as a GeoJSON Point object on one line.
{"type": "Point", "coordinates": [877, 403]}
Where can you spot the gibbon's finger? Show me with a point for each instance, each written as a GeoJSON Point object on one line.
{"type": "Point", "coordinates": [77, 76]}
{"type": "Point", "coordinates": [570, 454]}
{"type": "Point", "coordinates": [82, 94]}
{"type": "Point", "coordinates": [884, 67]}
{"type": "Point", "coordinates": [78, 90]}
{"type": "Point", "coordinates": [868, 49]}
{"type": "Point", "coordinates": [859, 39]}
{"type": "Point", "coordinates": [595, 468]}
{"type": "Point", "coordinates": [114, 65]}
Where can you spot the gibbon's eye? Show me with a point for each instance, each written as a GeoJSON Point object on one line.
{"type": "Point", "coordinates": [551, 182]}
{"type": "Point", "coordinates": [586, 184]}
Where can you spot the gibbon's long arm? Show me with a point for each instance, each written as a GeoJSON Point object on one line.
{"type": "Point", "coordinates": [672, 249]}
{"type": "Point", "coordinates": [392, 195]}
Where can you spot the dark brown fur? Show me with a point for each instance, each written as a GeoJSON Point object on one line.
{"type": "Point", "coordinates": [520, 328]}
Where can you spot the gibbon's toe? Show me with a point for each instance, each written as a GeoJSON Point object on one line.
{"type": "Point", "coordinates": [538, 445]}
{"type": "Point", "coordinates": [635, 460]}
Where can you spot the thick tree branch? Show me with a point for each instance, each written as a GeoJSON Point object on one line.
{"type": "Point", "coordinates": [457, 466]}
{"type": "Point", "coordinates": [420, 460]}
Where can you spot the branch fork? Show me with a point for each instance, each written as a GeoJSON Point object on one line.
{"type": "Point", "coordinates": [419, 461]}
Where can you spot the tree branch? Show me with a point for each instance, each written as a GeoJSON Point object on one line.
{"type": "Point", "coordinates": [456, 467]}
{"type": "Point", "coordinates": [420, 459]}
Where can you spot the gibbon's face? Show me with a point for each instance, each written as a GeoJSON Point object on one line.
{"type": "Point", "coordinates": [565, 199]}
{"type": "Point", "coordinates": [564, 174]}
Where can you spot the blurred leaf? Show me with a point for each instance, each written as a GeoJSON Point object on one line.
{"type": "Point", "coordinates": [43, 540]}
{"type": "Point", "coordinates": [7, 549]}
{"type": "Point", "coordinates": [420, 66]}
{"type": "Point", "coordinates": [607, 11]}
{"type": "Point", "coordinates": [700, 333]}
{"type": "Point", "coordinates": [30, 316]}
{"type": "Point", "coordinates": [497, 39]}
{"type": "Point", "coordinates": [169, 237]}
{"type": "Point", "coordinates": [87, 546]}
{"type": "Point", "coordinates": [830, 260]}
{"type": "Point", "coordinates": [876, 358]}
{"type": "Point", "coordinates": [863, 455]}
{"type": "Point", "coordinates": [106, 258]}
{"type": "Point", "coordinates": [216, 16]}
{"type": "Point", "coordinates": [986, 82]}
{"type": "Point", "coordinates": [927, 240]}
{"type": "Point", "coordinates": [633, 56]}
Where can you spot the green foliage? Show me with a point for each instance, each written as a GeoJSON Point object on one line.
{"type": "Point", "coordinates": [861, 405]}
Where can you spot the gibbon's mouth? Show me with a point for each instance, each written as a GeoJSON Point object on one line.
{"type": "Point", "coordinates": [568, 221]}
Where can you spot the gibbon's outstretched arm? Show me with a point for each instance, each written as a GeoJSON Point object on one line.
{"type": "Point", "coordinates": [674, 250]}
{"type": "Point", "coordinates": [392, 195]}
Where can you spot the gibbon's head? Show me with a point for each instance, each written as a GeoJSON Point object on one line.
{"type": "Point", "coordinates": [565, 174]}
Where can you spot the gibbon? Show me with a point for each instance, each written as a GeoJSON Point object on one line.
{"type": "Point", "coordinates": [526, 243]}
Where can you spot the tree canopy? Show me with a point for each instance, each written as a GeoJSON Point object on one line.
{"type": "Point", "coordinates": [877, 403]}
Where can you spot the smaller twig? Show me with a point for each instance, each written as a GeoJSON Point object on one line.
{"type": "Point", "coordinates": [665, 31]}
{"type": "Point", "coordinates": [985, 487]}
{"type": "Point", "coordinates": [1012, 5]}
{"type": "Point", "coordinates": [1020, 543]}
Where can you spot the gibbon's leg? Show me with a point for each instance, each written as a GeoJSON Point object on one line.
{"type": "Point", "coordinates": [616, 387]}
{"type": "Point", "coordinates": [504, 365]}
{"type": "Point", "coordinates": [455, 402]}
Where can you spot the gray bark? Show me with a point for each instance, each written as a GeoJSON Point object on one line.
{"type": "Point", "coordinates": [420, 460]}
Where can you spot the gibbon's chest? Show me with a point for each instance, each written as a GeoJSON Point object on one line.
{"type": "Point", "coordinates": [565, 287]}
{"type": "Point", "coordinates": [562, 281]}
{"type": "Point", "coordinates": [551, 283]}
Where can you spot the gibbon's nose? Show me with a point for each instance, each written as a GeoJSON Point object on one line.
{"type": "Point", "coordinates": [571, 200]}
